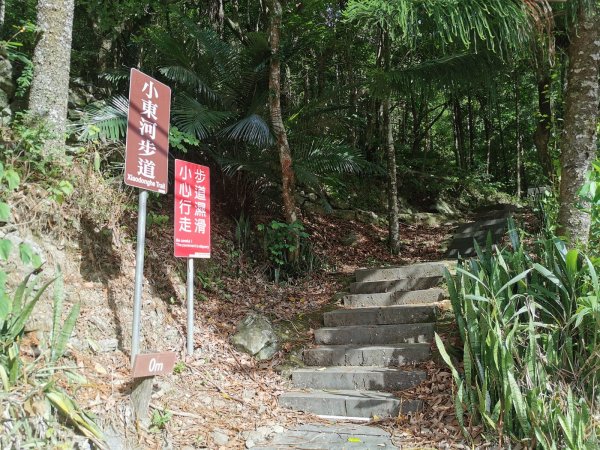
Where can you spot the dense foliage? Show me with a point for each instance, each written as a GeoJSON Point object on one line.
{"type": "Point", "coordinates": [441, 104]}
{"type": "Point", "coordinates": [528, 319]}
{"type": "Point", "coordinates": [462, 108]}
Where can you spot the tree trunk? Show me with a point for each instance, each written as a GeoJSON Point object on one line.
{"type": "Point", "coordinates": [390, 152]}
{"type": "Point", "coordinates": [487, 130]}
{"type": "Point", "coordinates": [285, 155]}
{"type": "Point", "coordinates": [541, 137]}
{"type": "Point", "coordinates": [518, 138]}
{"type": "Point", "coordinates": [580, 121]}
{"type": "Point", "coordinates": [459, 135]}
{"type": "Point", "coordinates": [471, 125]}
{"type": "Point", "coordinates": [49, 93]}
{"type": "Point", "coordinates": [2, 14]}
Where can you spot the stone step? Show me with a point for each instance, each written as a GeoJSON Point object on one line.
{"type": "Point", "coordinates": [386, 315]}
{"type": "Point", "coordinates": [329, 437]}
{"type": "Point", "coordinates": [466, 247]}
{"type": "Point", "coordinates": [358, 404]}
{"type": "Point", "coordinates": [422, 296]}
{"type": "Point", "coordinates": [472, 227]}
{"type": "Point", "coordinates": [357, 378]}
{"type": "Point", "coordinates": [421, 270]}
{"type": "Point", "coordinates": [403, 284]}
{"type": "Point", "coordinates": [480, 235]}
{"type": "Point", "coordinates": [375, 334]}
{"type": "Point", "coordinates": [381, 355]}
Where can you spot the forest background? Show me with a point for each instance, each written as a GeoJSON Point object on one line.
{"type": "Point", "coordinates": [389, 107]}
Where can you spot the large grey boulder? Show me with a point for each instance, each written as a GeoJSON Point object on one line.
{"type": "Point", "coordinates": [255, 336]}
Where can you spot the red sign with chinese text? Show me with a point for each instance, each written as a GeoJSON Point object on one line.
{"type": "Point", "coordinates": [192, 210]}
{"type": "Point", "coordinates": [147, 147]}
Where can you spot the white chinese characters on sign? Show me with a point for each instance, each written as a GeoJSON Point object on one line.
{"type": "Point", "coordinates": [191, 210]}
{"type": "Point", "coordinates": [147, 146]}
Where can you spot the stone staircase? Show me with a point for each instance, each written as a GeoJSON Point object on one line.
{"type": "Point", "coordinates": [493, 222]}
{"type": "Point", "coordinates": [367, 350]}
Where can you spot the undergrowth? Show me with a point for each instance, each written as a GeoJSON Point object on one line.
{"type": "Point", "coordinates": [529, 319]}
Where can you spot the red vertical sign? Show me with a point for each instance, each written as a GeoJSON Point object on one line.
{"type": "Point", "coordinates": [192, 210]}
{"type": "Point", "coordinates": [147, 148]}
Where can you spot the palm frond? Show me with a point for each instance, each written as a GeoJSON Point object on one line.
{"type": "Point", "coordinates": [499, 25]}
{"type": "Point", "coordinates": [463, 67]}
{"type": "Point", "coordinates": [105, 120]}
{"type": "Point", "coordinates": [260, 162]}
{"type": "Point", "coordinates": [251, 129]}
{"type": "Point", "coordinates": [189, 78]}
{"type": "Point", "coordinates": [192, 117]}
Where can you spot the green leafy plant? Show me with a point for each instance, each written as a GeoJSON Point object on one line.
{"type": "Point", "coordinates": [287, 248]}
{"type": "Point", "coordinates": [25, 381]}
{"type": "Point", "coordinates": [528, 322]}
{"type": "Point", "coordinates": [243, 233]}
{"type": "Point", "coordinates": [158, 220]}
{"type": "Point", "coordinates": [179, 367]}
{"type": "Point", "coordinates": [160, 419]}
{"type": "Point", "coordinates": [590, 196]}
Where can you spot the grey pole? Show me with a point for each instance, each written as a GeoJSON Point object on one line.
{"type": "Point", "coordinates": [139, 274]}
{"type": "Point", "coordinates": [190, 306]}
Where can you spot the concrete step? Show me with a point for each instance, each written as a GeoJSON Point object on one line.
{"type": "Point", "coordinates": [403, 284]}
{"type": "Point", "coordinates": [354, 355]}
{"type": "Point", "coordinates": [472, 227]}
{"type": "Point", "coordinates": [421, 270]}
{"type": "Point", "coordinates": [481, 234]}
{"type": "Point", "coordinates": [329, 437]}
{"type": "Point", "coordinates": [375, 334]}
{"type": "Point", "coordinates": [421, 296]}
{"type": "Point", "coordinates": [386, 315]}
{"type": "Point", "coordinates": [357, 378]}
{"type": "Point", "coordinates": [357, 404]}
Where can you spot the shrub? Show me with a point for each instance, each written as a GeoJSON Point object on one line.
{"type": "Point", "coordinates": [288, 249]}
{"type": "Point", "coordinates": [529, 324]}
{"type": "Point", "coordinates": [30, 395]}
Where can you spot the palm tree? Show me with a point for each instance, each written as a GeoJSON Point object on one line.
{"type": "Point", "coordinates": [221, 97]}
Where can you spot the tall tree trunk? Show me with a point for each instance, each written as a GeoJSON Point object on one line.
{"type": "Point", "coordinates": [2, 14]}
{"type": "Point", "coordinates": [285, 155]}
{"type": "Point", "coordinates": [459, 135]}
{"type": "Point", "coordinates": [471, 125]}
{"type": "Point", "coordinates": [518, 138]}
{"type": "Point", "coordinates": [541, 137]}
{"type": "Point", "coordinates": [487, 130]}
{"type": "Point", "coordinates": [580, 121]}
{"type": "Point", "coordinates": [49, 93]}
{"type": "Point", "coordinates": [501, 139]}
{"type": "Point", "coordinates": [390, 152]}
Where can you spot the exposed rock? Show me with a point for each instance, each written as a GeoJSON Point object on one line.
{"type": "Point", "coordinates": [367, 217]}
{"type": "Point", "coordinates": [255, 336]}
{"type": "Point", "coordinates": [427, 219]}
{"type": "Point", "coordinates": [346, 214]}
{"type": "Point", "coordinates": [260, 435]}
{"type": "Point", "coordinates": [444, 207]}
{"type": "Point", "coordinates": [220, 437]}
{"type": "Point", "coordinates": [350, 239]}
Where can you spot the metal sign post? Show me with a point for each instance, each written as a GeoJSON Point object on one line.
{"type": "Point", "coordinates": [190, 306]}
{"type": "Point", "coordinates": [139, 275]}
{"type": "Point", "coordinates": [192, 227]}
{"type": "Point", "coordinates": [147, 168]}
